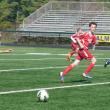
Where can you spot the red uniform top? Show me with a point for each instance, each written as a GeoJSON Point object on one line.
{"type": "Point", "coordinates": [88, 38]}
{"type": "Point", "coordinates": [74, 43]}
{"type": "Point", "coordinates": [85, 38]}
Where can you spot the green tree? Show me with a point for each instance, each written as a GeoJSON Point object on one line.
{"type": "Point", "coordinates": [14, 11]}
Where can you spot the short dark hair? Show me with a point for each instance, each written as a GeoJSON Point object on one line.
{"type": "Point", "coordinates": [94, 23]}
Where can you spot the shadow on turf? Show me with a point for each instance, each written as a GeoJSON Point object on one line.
{"type": "Point", "coordinates": [82, 81]}
{"type": "Point", "coordinates": [79, 81]}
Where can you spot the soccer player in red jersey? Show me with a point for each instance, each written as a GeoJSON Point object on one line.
{"type": "Point", "coordinates": [83, 53]}
{"type": "Point", "coordinates": [74, 45]}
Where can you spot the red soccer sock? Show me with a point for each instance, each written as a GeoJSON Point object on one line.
{"type": "Point", "coordinates": [69, 68]}
{"type": "Point", "coordinates": [89, 68]}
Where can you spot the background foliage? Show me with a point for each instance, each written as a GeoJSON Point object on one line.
{"type": "Point", "coordinates": [12, 12]}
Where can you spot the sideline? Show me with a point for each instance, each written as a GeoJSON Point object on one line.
{"type": "Point", "coordinates": [51, 88]}
{"type": "Point", "coordinates": [41, 68]}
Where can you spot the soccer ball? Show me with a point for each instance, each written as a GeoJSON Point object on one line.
{"type": "Point", "coordinates": [42, 95]}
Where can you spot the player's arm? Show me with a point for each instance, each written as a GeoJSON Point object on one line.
{"type": "Point", "coordinates": [93, 47]}
{"type": "Point", "coordinates": [73, 39]}
{"type": "Point", "coordinates": [68, 56]}
{"type": "Point", "coordinates": [81, 46]}
{"type": "Point", "coordinates": [94, 42]}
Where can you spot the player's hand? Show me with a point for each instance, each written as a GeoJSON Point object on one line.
{"type": "Point", "coordinates": [93, 48]}
{"type": "Point", "coordinates": [68, 58]}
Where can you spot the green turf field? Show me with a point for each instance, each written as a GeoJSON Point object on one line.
{"type": "Point", "coordinates": [34, 68]}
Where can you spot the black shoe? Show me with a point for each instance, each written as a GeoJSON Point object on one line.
{"type": "Point", "coordinates": [107, 63]}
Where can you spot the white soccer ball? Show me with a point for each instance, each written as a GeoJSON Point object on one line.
{"type": "Point", "coordinates": [42, 95]}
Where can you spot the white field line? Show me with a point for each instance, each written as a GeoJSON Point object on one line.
{"type": "Point", "coordinates": [24, 69]}
{"type": "Point", "coordinates": [33, 59]}
{"type": "Point", "coordinates": [50, 54]}
{"type": "Point", "coordinates": [40, 54]}
{"type": "Point", "coordinates": [51, 88]}
{"type": "Point", "coordinates": [40, 59]}
{"type": "Point", "coordinates": [44, 54]}
{"type": "Point", "coordinates": [101, 58]}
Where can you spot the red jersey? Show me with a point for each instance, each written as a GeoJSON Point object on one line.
{"type": "Point", "coordinates": [88, 38]}
{"type": "Point", "coordinates": [73, 38]}
{"type": "Point", "coordinates": [74, 43]}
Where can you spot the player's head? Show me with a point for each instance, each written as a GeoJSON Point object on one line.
{"type": "Point", "coordinates": [79, 31]}
{"type": "Point", "coordinates": [92, 26]}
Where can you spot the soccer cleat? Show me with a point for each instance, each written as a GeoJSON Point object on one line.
{"type": "Point", "coordinates": [86, 76]}
{"type": "Point", "coordinates": [107, 63]}
{"type": "Point", "coordinates": [61, 77]}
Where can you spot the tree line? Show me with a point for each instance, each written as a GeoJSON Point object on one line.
{"type": "Point", "coordinates": [12, 12]}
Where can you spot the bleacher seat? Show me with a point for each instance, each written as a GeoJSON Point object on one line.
{"type": "Point", "coordinates": [69, 20]}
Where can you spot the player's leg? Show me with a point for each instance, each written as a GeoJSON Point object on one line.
{"type": "Point", "coordinates": [107, 63]}
{"type": "Point", "coordinates": [89, 68]}
{"type": "Point", "coordinates": [68, 69]}
{"type": "Point", "coordinates": [88, 56]}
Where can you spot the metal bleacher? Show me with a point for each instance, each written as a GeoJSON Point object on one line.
{"type": "Point", "coordinates": [101, 18]}
{"type": "Point", "coordinates": [56, 21]}
{"type": "Point", "coordinates": [67, 16]}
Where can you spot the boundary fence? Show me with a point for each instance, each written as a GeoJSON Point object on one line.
{"type": "Point", "coordinates": [51, 39]}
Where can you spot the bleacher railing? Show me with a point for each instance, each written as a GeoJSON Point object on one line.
{"type": "Point", "coordinates": [37, 14]}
